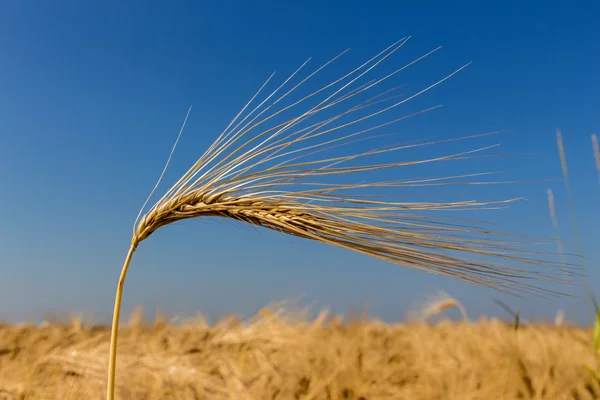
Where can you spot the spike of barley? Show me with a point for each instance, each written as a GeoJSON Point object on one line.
{"type": "Point", "coordinates": [272, 174]}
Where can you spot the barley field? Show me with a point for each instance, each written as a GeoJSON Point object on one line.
{"type": "Point", "coordinates": [280, 354]}
{"type": "Point", "coordinates": [318, 154]}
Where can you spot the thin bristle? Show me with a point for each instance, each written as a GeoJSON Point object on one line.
{"type": "Point", "coordinates": [551, 206]}
{"type": "Point", "coordinates": [596, 148]}
{"type": "Point", "coordinates": [554, 217]}
{"type": "Point", "coordinates": [563, 162]}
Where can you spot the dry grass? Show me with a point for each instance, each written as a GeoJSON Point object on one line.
{"type": "Point", "coordinates": [283, 355]}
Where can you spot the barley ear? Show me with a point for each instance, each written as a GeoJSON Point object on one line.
{"type": "Point", "coordinates": [267, 170]}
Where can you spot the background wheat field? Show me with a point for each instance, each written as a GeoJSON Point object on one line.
{"type": "Point", "coordinates": [320, 168]}
{"type": "Point", "coordinates": [282, 354]}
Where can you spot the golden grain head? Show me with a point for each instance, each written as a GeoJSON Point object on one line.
{"type": "Point", "coordinates": [278, 165]}
{"type": "Point", "coordinates": [279, 175]}
{"type": "Point", "coordinates": [436, 305]}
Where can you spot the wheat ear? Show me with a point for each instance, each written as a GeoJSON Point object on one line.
{"type": "Point", "coordinates": [269, 170]}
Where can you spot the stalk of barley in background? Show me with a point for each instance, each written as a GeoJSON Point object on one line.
{"type": "Point", "coordinates": [274, 171]}
{"type": "Point", "coordinates": [559, 243]}
{"type": "Point", "coordinates": [565, 170]}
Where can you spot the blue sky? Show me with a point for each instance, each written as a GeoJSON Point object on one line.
{"type": "Point", "coordinates": [92, 97]}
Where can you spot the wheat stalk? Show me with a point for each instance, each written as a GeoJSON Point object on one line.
{"type": "Point", "coordinates": [554, 218]}
{"type": "Point", "coordinates": [268, 170]}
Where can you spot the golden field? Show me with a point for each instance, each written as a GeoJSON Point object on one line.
{"type": "Point", "coordinates": [284, 355]}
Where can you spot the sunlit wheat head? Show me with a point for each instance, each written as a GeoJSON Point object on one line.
{"type": "Point", "coordinates": [289, 163]}
{"type": "Point", "coordinates": [281, 176]}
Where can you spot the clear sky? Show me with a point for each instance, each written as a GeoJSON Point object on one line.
{"type": "Point", "coordinates": [93, 95]}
